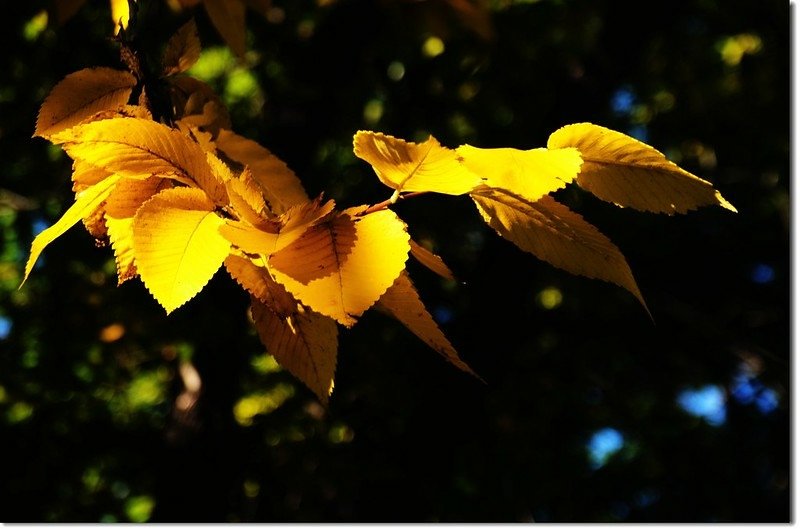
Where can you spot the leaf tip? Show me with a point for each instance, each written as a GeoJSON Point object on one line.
{"type": "Point", "coordinates": [724, 203]}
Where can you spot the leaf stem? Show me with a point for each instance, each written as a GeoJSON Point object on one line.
{"type": "Point", "coordinates": [396, 197]}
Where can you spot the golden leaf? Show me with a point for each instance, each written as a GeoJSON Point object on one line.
{"type": "Point", "coordinates": [341, 266]}
{"type": "Point", "coordinates": [120, 233]}
{"type": "Point", "coordinates": [553, 233]}
{"type": "Point", "coordinates": [120, 14]}
{"type": "Point", "coordinates": [227, 16]}
{"type": "Point", "coordinates": [624, 171]}
{"type": "Point", "coordinates": [305, 343]}
{"type": "Point", "coordinates": [197, 104]}
{"type": "Point", "coordinates": [183, 50]}
{"type": "Point", "coordinates": [247, 200]}
{"type": "Point", "coordinates": [402, 302]}
{"type": "Point", "coordinates": [256, 280]}
{"type": "Point", "coordinates": [86, 202]}
{"type": "Point", "coordinates": [280, 186]}
{"type": "Point", "coordinates": [407, 166]}
{"type": "Point", "coordinates": [120, 209]}
{"type": "Point", "coordinates": [430, 260]}
{"type": "Point", "coordinates": [177, 244]}
{"type": "Point", "coordinates": [139, 148]}
{"type": "Point", "coordinates": [529, 174]}
{"type": "Point", "coordinates": [81, 95]}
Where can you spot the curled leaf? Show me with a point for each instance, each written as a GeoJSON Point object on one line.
{"type": "Point", "coordinates": [629, 173]}
{"type": "Point", "coordinates": [430, 260]}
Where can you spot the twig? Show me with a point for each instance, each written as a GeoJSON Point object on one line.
{"type": "Point", "coordinates": [391, 200]}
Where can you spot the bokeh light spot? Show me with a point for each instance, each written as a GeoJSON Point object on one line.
{"type": "Point", "coordinates": [707, 402]}
{"type": "Point", "coordinates": [602, 445]}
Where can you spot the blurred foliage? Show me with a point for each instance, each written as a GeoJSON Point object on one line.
{"type": "Point", "coordinates": [111, 411]}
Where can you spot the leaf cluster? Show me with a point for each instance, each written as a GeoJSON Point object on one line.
{"type": "Point", "coordinates": [181, 197]}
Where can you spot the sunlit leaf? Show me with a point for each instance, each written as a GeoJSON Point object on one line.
{"type": "Point", "coordinates": [228, 18]}
{"type": "Point", "coordinates": [529, 174]}
{"type": "Point", "coordinates": [430, 260]}
{"type": "Point", "coordinates": [120, 14]}
{"type": "Point", "coordinates": [256, 280]}
{"type": "Point", "coordinates": [629, 173]}
{"type": "Point", "coordinates": [81, 95]}
{"type": "Point", "coordinates": [281, 187]}
{"type": "Point", "coordinates": [403, 303]}
{"type": "Point", "coordinates": [120, 234]}
{"type": "Point", "coordinates": [304, 343]}
{"type": "Point", "coordinates": [139, 148]}
{"type": "Point", "coordinates": [197, 104]}
{"type": "Point", "coordinates": [86, 202]}
{"type": "Point", "coordinates": [553, 233]}
{"type": "Point", "coordinates": [177, 244]}
{"type": "Point", "coordinates": [273, 237]}
{"type": "Point", "coordinates": [342, 265]}
{"type": "Point", "coordinates": [407, 166]}
{"type": "Point", "coordinates": [183, 50]}
{"type": "Point", "coordinates": [247, 200]}
{"type": "Point", "coordinates": [120, 208]}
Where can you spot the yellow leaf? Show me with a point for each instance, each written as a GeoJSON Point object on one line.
{"type": "Point", "coordinates": [197, 104]}
{"type": "Point", "coordinates": [228, 18]}
{"type": "Point", "coordinates": [183, 50]}
{"type": "Point", "coordinates": [86, 202]}
{"type": "Point", "coordinates": [430, 260]}
{"type": "Point", "coordinates": [120, 14]}
{"type": "Point", "coordinates": [407, 166]}
{"type": "Point", "coordinates": [139, 148]}
{"type": "Point", "coordinates": [280, 186]}
{"type": "Point", "coordinates": [120, 233]}
{"type": "Point", "coordinates": [553, 233]}
{"type": "Point", "coordinates": [177, 244]}
{"type": "Point", "coordinates": [85, 175]}
{"type": "Point", "coordinates": [403, 303]}
{"type": "Point", "coordinates": [304, 343]}
{"type": "Point", "coordinates": [120, 208]}
{"type": "Point", "coordinates": [248, 238]}
{"type": "Point", "coordinates": [629, 173]}
{"type": "Point", "coordinates": [255, 279]}
{"type": "Point", "coordinates": [247, 200]}
{"type": "Point", "coordinates": [341, 266]}
{"type": "Point", "coordinates": [81, 95]}
{"type": "Point", "coordinates": [529, 174]}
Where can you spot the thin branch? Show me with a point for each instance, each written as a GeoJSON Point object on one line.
{"type": "Point", "coordinates": [391, 200]}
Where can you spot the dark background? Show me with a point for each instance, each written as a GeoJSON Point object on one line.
{"type": "Point", "coordinates": [694, 409]}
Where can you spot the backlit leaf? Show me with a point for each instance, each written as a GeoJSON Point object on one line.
{"type": "Point", "coordinates": [228, 18]}
{"type": "Point", "coordinates": [281, 187]}
{"type": "Point", "coordinates": [629, 173]}
{"type": "Point", "coordinates": [256, 280]}
{"type": "Point", "coordinates": [120, 208]}
{"type": "Point", "coordinates": [177, 244]}
{"type": "Point", "coordinates": [86, 202]}
{"type": "Point", "coordinates": [403, 303]}
{"type": "Point", "coordinates": [553, 233]}
{"type": "Point", "coordinates": [81, 95]}
{"type": "Point", "coordinates": [529, 174]}
{"type": "Point", "coordinates": [183, 50]}
{"type": "Point", "coordinates": [120, 233]}
{"type": "Point", "coordinates": [139, 148]}
{"type": "Point", "coordinates": [304, 343]}
{"type": "Point", "coordinates": [247, 200]}
{"type": "Point", "coordinates": [430, 260]}
{"type": "Point", "coordinates": [407, 166]}
{"type": "Point", "coordinates": [197, 104]}
{"type": "Point", "coordinates": [342, 265]}
{"type": "Point", "coordinates": [120, 14]}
